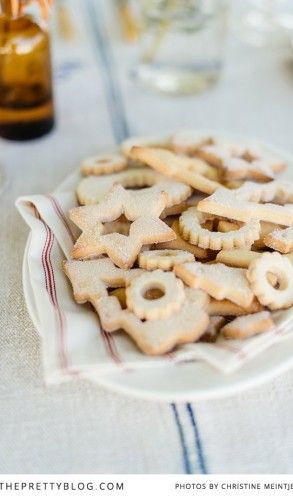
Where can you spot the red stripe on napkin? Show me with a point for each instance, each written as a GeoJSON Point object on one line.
{"type": "Point", "coordinates": [62, 216]}
{"type": "Point", "coordinates": [108, 339]}
{"type": "Point", "coordinates": [51, 289]}
{"type": "Point", "coordinates": [110, 346]}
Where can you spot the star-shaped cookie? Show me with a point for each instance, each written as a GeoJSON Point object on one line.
{"type": "Point", "coordinates": [142, 209]}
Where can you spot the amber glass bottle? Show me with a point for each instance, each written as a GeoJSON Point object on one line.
{"type": "Point", "coordinates": [26, 103]}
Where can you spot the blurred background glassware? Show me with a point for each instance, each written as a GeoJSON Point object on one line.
{"type": "Point", "coordinates": [26, 98]}
{"type": "Point", "coordinates": [181, 45]}
{"type": "Point", "coordinates": [265, 22]}
{"type": "Point", "coordinates": [128, 20]}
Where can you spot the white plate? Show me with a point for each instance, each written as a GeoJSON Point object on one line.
{"type": "Point", "coordinates": [187, 381]}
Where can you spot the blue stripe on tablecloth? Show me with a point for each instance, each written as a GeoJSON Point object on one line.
{"type": "Point", "coordinates": [112, 90]}
{"type": "Point", "coordinates": [198, 444]}
{"type": "Point", "coordinates": [185, 453]}
{"type": "Point", "coordinates": [120, 132]}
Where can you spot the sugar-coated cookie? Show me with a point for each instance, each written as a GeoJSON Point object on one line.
{"type": "Point", "coordinates": [277, 297]}
{"type": "Point", "coordinates": [103, 163]}
{"type": "Point", "coordinates": [228, 203]}
{"type": "Point", "coordinates": [180, 244]}
{"type": "Point", "coordinates": [169, 302]}
{"type": "Point", "coordinates": [91, 278]}
{"type": "Point", "coordinates": [189, 141]}
{"type": "Point", "coordinates": [190, 224]}
{"type": "Point", "coordinates": [276, 191]}
{"type": "Point", "coordinates": [237, 258]}
{"type": "Point", "coordinates": [247, 326]}
{"type": "Point", "coordinates": [242, 257]}
{"type": "Point", "coordinates": [217, 280]}
{"type": "Point", "coordinates": [152, 141]}
{"type": "Point", "coordinates": [163, 259]}
{"type": "Point", "coordinates": [92, 190]}
{"type": "Point", "coordinates": [187, 170]}
{"type": "Point", "coordinates": [228, 308]}
{"type": "Point", "coordinates": [280, 240]}
{"type": "Point", "coordinates": [156, 337]}
{"type": "Point", "coordinates": [241, 161]}
{"type": "Point", "coordinates": [143, 209]}
{"type": "Point", "coordinates": [209, 227]}
{"type": "Point", "coordinates": [90, 281]}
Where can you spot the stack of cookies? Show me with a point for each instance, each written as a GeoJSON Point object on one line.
{"type": "Point", "coordinates": [183, 239]}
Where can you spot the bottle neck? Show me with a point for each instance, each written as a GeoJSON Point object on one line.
{"type": "Point", "coordinates": [10, 8]}
{"type": "Point", "coordinates": [15, 8]}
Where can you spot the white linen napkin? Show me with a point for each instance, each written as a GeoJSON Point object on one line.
{"type": "Point", "coordinates": [73, 342]}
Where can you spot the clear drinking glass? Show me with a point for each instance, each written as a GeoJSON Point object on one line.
{"type": "Point", "coordinates": [182, 44]}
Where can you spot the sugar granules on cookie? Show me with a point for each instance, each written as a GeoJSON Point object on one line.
{"type": "Point", "coordinates": [147, 228]}
{"type": "Point", "coordinates": [190, 224]}
{"type": "Point", "coordinates": [280, 240]}
{"type": "Point", "coordinates": [217, 280]}
{"type": "Point", "coordinates": [228, 203]}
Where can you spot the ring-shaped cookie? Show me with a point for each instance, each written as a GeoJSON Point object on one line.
{"type": "Point", "coordinates": [104, 163]}
{"type": "Point", "coordinates": [192, 231]}
{"type": "Point", "coordinates": [163, 259]}
{"type": "Point", "coordinates": [258, 275]}
{"type": "Point", "coordinates": [92, 189]}
{"type": "Point", "coordinates": [170, 302]}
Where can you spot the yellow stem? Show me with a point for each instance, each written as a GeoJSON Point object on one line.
{"type": "Point", "coordinates": [159, 36]}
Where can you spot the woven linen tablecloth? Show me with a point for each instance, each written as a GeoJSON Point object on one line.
{"type": "Point", "coordinates": [80, 427]}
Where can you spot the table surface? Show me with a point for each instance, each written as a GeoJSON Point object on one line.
{"type": "Point", "coordinates": [80, 427]}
